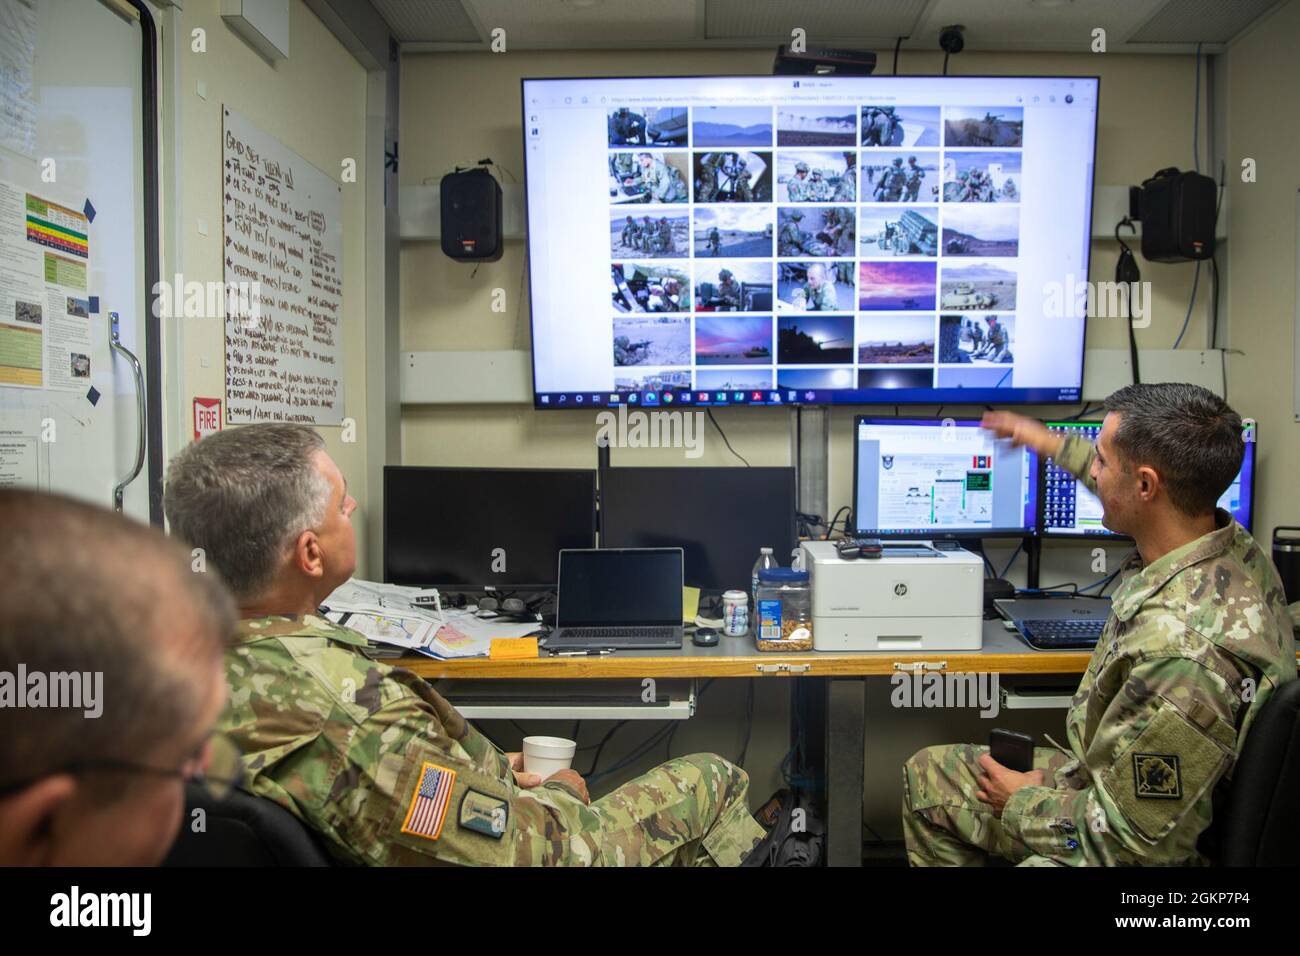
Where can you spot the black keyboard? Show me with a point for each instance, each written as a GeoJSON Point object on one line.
{"type": "Point", "coordinates": [1057, 634]}
{"type": "Point", "coordinates": [621, 633]}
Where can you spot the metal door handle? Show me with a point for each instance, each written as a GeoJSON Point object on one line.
{"type": "Point", "coordinates": [115, 343]}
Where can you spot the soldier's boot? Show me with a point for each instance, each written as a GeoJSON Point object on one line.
{"type": "Point", "coordinates": [689, 811]}
{"type": "Point", "coordinates": [944, 823]}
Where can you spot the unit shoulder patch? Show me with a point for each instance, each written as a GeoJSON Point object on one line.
{"type": "Point", "coordinates": [481, 813]}
{"type": "Point", "coordinates": [1157, 777]}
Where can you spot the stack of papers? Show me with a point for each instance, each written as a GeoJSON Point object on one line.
{"type": "Point", "coordinates": [385, 615]}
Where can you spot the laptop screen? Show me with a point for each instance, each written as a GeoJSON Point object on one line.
{"type": "Point", "coordinates": [617, 586]}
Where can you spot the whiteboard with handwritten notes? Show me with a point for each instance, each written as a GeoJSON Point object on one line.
{"type": "Point", "coordinates": [283, 252]}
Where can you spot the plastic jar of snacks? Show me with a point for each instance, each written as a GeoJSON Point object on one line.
{"type": "Point", "coordinates": [784, 610]}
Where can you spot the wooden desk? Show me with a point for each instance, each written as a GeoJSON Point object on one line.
{"type": "Point", "coordinates": [1003, 653]}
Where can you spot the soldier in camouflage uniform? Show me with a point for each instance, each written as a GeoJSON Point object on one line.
{"type": "Point", "coordinates": [818, 290]}
{"type": "Point", "coordinates": [998, 349]}
{"type": "Point", "coordinates": [648, 230]}
{"type": "Point", "coordinates": [662, 182]}
{"type": "Point", "coordinates": [892, 182]}
{"type": "Point", "coordinates": [914, 176]}
{"type": "Point", "coordinates": [744, 187]}
{"type": "Point", "coordinates": [797, 186]}
{"type": "Point", "coordinates": [629, 236]}
{"type": "Point", "coordinates": [624, 168]}
{"type": "Point", "coordinates": [846, 188]}
{"type": "Point", "coordinates": [819, 190]}
{"type": "Point", "coordinates": [663, 240]}
{"type": "Point", "coordinates": [708, 183]}
{"type": "Point", "coordinates": [792, 238]}
{"type": "Point", "coordinates": [368, 755]}
{"type": "Point", "coordinates": [1198, 638]}
{"type": "Point", "coordinates": [715, 242]}
{"type": "Point", "coordinates": [728, 292]}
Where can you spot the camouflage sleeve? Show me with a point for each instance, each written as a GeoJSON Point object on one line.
{"type": "Point", "coordinates": [1076, 458]}
{"type": "Point", "coordinates": [484, 754]}
{"type": "Point", "coordinates": [1293, 611]}
{"type": "Point", "coordinates": [1160, 748]}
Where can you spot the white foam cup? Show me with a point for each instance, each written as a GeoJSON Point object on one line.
{"type": "Point", "coordinates": [546, 755]}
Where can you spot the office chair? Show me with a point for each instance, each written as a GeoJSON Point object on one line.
{"type": "Point", "coordinates": [1260, 826]}
{"type": "Point", "coordinates": [243, 830]}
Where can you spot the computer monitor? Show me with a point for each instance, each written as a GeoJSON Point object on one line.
{"type": "Point", "coordinates": [1069, 510]}
{"type": "Point", "coordinates": [720, 517]}
{"type": "Point", "coordinates": [767, 240]}
{"type": "Point", "coordinates": [476, 527]}
{"type": "Point", "coordinates": [939, 478]}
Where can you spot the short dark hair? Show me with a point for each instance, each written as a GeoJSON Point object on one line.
{"type": "Point", "coordinates": [85, 590]}
{"type": "Point", "coordinates": [1189, 435]}
{"type": "Point", "coordinates": [244, 495]}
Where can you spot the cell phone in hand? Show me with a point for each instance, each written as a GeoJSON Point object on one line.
{"type": "Point", "coordinates": [1013, 750]}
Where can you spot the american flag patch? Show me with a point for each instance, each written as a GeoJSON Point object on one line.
{"type": "Point", "coordinates": [429, 802]}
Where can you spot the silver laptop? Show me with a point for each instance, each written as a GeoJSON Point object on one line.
{"type": "Point", "coordinates": [619, 599]}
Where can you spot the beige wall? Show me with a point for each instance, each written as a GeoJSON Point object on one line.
{"type": "Point", "coordinates": [1263, 74]}
{"type": "Point", "coordinates": [460, 108]}
{"type": "Point", "coordinates": [315, 104]}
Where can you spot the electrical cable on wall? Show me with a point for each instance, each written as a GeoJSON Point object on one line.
{"type": "Point", "coordinates": [1127, 275]}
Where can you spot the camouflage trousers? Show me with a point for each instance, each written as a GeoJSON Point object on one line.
{"type": "Point", "coordinates": [689, 811]}
{"type": "Point", "coordinates": [945, 824]}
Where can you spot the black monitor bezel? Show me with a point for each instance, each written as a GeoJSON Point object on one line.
{"type": "Point", "coordinates": [929, 534]}
{"type": "Point", "coordinates": [789, 472]}
{"type": "Point", "coordinates": [389, 517]}
{"type": "Point", "coordinates": [933, 398]}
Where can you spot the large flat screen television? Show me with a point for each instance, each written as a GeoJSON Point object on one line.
{"type": "Point", "coordinates": [823, 240]}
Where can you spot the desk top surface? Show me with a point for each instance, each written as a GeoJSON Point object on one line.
{"type": "Point", "coordinates": [1003, 652]}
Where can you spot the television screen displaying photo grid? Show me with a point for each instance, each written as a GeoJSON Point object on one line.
{"type": "Point", "coordinates": [769, 240]}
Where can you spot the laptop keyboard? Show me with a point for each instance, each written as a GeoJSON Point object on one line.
{"type": "Point", "coordinates": [621, 633]}
{"type": "Point", "coordinates": [1056, 634]}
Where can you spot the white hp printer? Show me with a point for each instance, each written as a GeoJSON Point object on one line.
{"type": "Point", "coordinates": [914, 597]}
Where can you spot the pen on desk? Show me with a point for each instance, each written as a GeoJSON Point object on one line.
{"type": "Point", "coordinates": [603, 652]}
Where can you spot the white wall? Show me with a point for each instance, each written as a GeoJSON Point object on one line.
{"type": "Point", "coordinates": [314, 102]}
{"type": "Point", "coordinates": [1263, 75]}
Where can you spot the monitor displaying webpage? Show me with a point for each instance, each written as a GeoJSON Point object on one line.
{"type": "Point", "coordinates": [775, 240]}
{"type": "Point", "coordinates": [1071, 510]}
{"type": "Point", "coordinates": [920, 477]}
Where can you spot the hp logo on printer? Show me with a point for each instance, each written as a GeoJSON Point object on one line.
{"type": "Point", "coordinates": [900, 589]}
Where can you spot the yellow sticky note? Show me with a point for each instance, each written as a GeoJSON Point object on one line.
{"type": "Point", "coordinates": [512, 648]}
{"type": "Point", "coordinates": [690, 603]}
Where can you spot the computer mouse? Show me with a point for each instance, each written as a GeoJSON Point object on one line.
{"type": "Point", "coordinates": [705, 637]}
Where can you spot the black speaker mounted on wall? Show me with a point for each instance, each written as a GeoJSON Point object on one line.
{"type": "Point", "coordinates": [471, 215]}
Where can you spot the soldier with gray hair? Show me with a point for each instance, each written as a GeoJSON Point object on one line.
{"type": "Point", "coordinates": [1198, 638]}
{"type": "Point", "coordinates": [111, 681]}
{"type": "Point", "coordinates": [369, 755]}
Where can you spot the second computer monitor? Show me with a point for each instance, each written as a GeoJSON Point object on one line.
{"type": "Point", "coordinates": [720, 517]}
{"type": "Point", "coordinates": [930, 477]}
{"type": "Point", "coordinates": [1072, 511]}
{"type": "Point", "coordinates": [474, 527]}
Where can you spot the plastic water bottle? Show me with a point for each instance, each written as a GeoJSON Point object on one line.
{"type": "Point", "coordinates": [765, 560]}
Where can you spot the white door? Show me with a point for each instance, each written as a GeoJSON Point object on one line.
{"type": "Point", "coordinates": [72, 244]}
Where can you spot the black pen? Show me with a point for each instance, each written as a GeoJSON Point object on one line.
{"type": "Point", "coordinates": [602, 652]}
